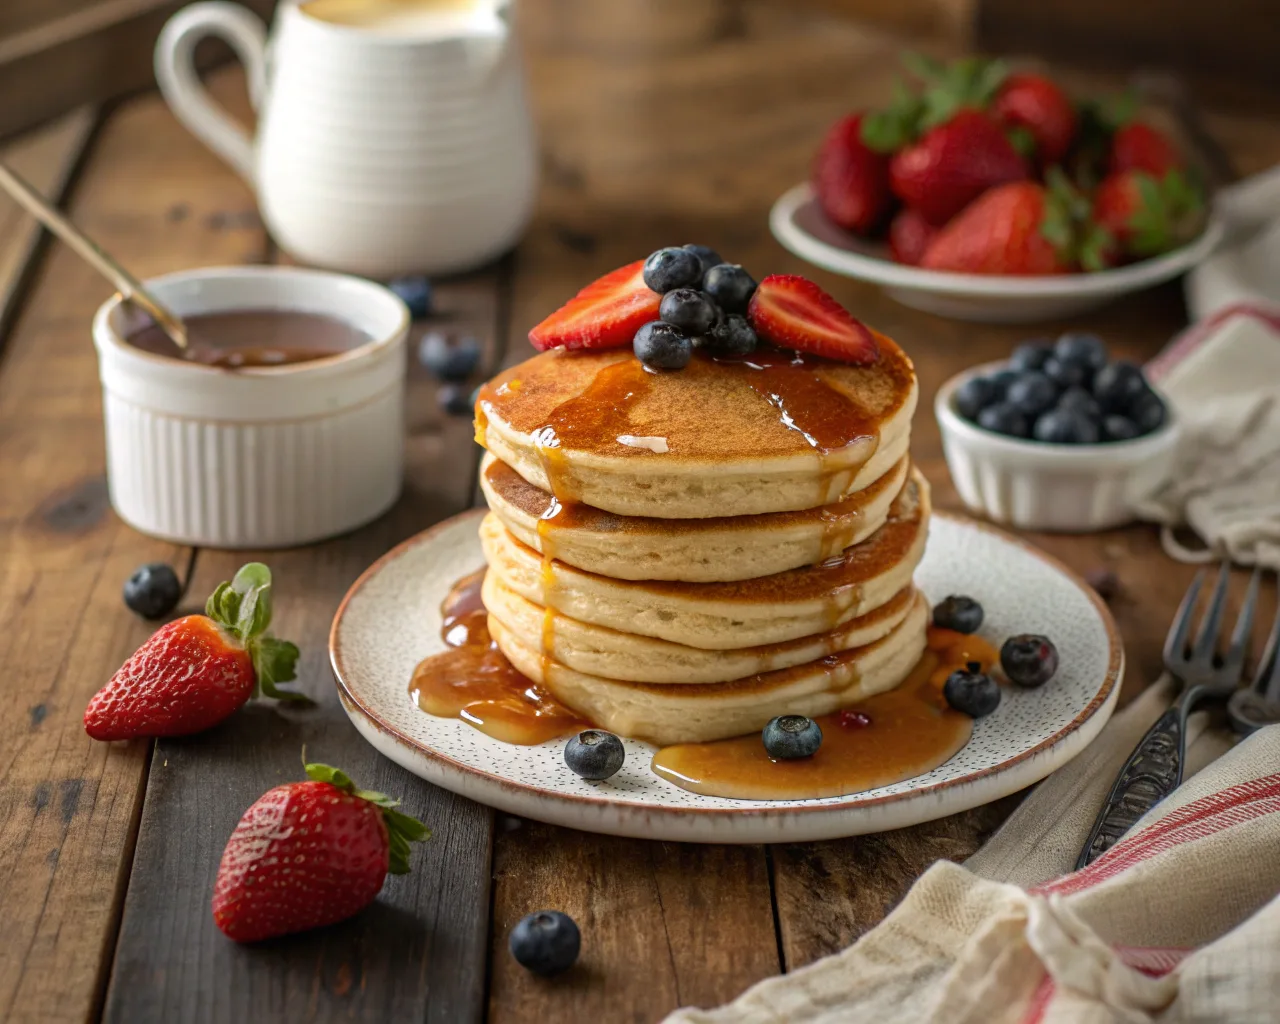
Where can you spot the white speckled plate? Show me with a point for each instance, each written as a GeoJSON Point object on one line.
{"type": "Point", "coordinates": [390, 620]}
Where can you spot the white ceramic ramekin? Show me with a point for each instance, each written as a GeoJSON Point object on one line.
{"type": "Point", "coordinates": [255, 458]}
{"type": "Point", "coordinates": [1056, 487]}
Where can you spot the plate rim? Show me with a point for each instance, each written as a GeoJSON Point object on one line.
{"type": "Point", "coordinates": [756, 809]}
{"type": "Point", "coordinates": [1116, 281]}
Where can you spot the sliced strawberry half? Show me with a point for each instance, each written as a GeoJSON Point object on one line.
{"type": "Point", "coordinates": [790, 311]}
{"type": "Point", "coordinates": [605, 314]}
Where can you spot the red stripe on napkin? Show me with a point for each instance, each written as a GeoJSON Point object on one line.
{"type": "Point", "coordinates": [1194, 336]}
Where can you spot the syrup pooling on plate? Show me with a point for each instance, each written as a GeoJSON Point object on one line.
{"type": "Point", "coordinates": [474, 681]}
{"type": "Point", "coordinates": [884, 739]}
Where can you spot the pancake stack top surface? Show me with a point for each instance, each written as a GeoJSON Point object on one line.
{"type": "Point", "coordinates": [680, 554]}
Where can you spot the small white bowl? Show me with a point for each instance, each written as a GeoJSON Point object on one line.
{"type": "Point", "coordinates": [264, 457]}
{"type": "Point", "coordinates": [799, 225]}
{"type": "Point", "coordinates": [1032, 485]}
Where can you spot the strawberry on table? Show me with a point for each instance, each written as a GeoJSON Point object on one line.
{"type": "Point", "coordinates": [1035, 104]}
{"type": "Point", "coordinates": [1137, 146]}
{"type": "Point", "coordinates": [198, 670]}
{"type": "Point", "coordinates": [792, 312]}
{"type": "Point", "coordinates": [605, 314]}
{"type": "Point", "coordinates": [1147, 215]}
{"type": "Point", "coordinates": [909, 236]}
{"type": "Point", "coordinates": [851, 179]}
{"type": "Point", "coordinates": [307, 854]}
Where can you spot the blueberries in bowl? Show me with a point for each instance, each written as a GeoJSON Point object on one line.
{"type": "Point", "coordinates": [1067, 392]}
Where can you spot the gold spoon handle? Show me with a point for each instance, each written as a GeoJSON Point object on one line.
{"type": "Point", "coordinates": [131, 289]}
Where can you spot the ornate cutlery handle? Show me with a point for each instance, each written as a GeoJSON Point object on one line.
{"type": "Point", "coordinates": [1153, 771]}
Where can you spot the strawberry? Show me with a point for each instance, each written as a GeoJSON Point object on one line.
{"type": "Point", "coordinates": [953, 164]}
{"type": "Point", "coordinates": [909, 236]}
{"type": "Point", "coordinates": [850, 179]}
{"type": "Point", "coordinates": [307, 854]}
{"type": "Point", "coordinates": [1148, 215]}
{"type": "Point", "coordinates": [1036, 105]}
{"type": "Point", "coordinates": [1139, 147]}
{"type": "Point", "coordinates": [1019, 228]}
{"type": "Point", "coordinates": [197, 670]}
{"type": "Point", "coordinates": [790, 311]}
{"type": "Point", "coordinates": [605, 314]}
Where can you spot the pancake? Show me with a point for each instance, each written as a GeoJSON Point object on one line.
{"type": "Point", "coordinates": [774, 432]}
{"type": "Point", "coordinates": [700, 713]}
{"type": "Point", "coordinates": [724, 616]}
{"type": "Point", "coordinates": [596, 650]}
{"type": "Point", "coordinates": [712, 550]}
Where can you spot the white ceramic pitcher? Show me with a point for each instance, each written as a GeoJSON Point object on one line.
{"type": "Point", "coordinates": [378, 151]}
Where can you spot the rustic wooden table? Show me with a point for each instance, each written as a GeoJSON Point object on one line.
{"type": "Point", "coordinates": [108, 851]}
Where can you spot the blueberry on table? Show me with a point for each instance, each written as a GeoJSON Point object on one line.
{"type": "Point", "coordinates": [974, 395]}
{"type": "Point", "coordinates": [1117, 385]}
{"type": "Point", "coordinates": [730, 285]}
{"type": "Point", "coordinates": [594, 754]}
{"type": "Point", "coordinates": [1032, 393]}
{"type": "Point", "coordinates": [668, 269]}
{"type": "Point", "coordinates": [1147, 412]}
{"type": "Point", "coordinates": [455, 400]}
{"type": "Point", "coordinates": [1079, 400]}
{"type": "Point", "coordinates": [546, 942]}
{"type": "Point", "coordinates": [1003, 418]}
{"type": "Point", "coordinates": [1119, 428]}
{"type": "Point", "coordinates": [1030, 355]}
{"type": "Point", "coordinates": [959, 613]}
{"type": "Point", "coordinates": [732, 336]}
{"type": "Point", "coordinates": [1066, 426]}
{"type": "Point", "coordinates": [153, 591]}
{"type": "Point", "coordinates": [449, 361]}
{"type": "Point", "coordinates": [971, 691]}
{"type": "Point", "coordinates": [1082, 348]}
{"type": "Point", "coordinates": [790, 737]}
{"type": "Point", "coordinates": [415, 291]}
{"type": "Point", "coordinates": [690, 310]}
{"type": "Point", "coordinates": [1029, 660]}
{"type": "Point", "coordinates": [707, 256]}
{"type": "Point", "coordinates": [1065, 375]}
{"type": "Point", "coordinates": [662, 346]}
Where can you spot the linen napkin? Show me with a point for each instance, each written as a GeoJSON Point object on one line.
{"type": "Point", "coordinates": [1178, 922]}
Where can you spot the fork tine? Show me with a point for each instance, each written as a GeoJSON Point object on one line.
{"type": "Point", "coordinates": [1175, 644]}
{"type": "Point", "coordinates": [1207, 635]}
{"type": "Point", "coordinates": [1242, 636]}
{"type": "Point", "coordinates": [1267, 683]}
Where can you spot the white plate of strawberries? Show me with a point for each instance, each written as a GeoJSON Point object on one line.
{"type": "Point", "coordinates": [990, 195]}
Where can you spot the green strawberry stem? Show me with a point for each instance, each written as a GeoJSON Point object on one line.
{"type": "Point", "coordinates": [243, 608]}
{"type": "Point", "coordinates": [401, 829]}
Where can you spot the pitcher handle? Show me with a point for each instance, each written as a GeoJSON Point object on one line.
{"type": "Point", "coordinates": [187, 97]}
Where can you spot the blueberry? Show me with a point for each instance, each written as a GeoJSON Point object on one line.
{"type": "Point", "coordinates": [730, 285]}
{"type": "Point", "coordinates": [972, 691]}
{"type": "Point", "coordinates": [415, 290]}
{"type": "Point", "coordinates": [546, 942]}
{"type": "Point", "coordinates": [974, 395]}
{"type": "Point", "coordinates": [1000, 381]}
{"type": "Point", "coordinates": [662, 346]}
{"type": "Point", "coordinates": [153, 591]}
{"type": "Point", "coordinates": [1147, 412]}
{"type": "Point", "coordinates": [707, 256]}
{"type": "Point", "coordinates": [1003, 418]}
{"type": "Point", "coordinates": [1032, 393]}
{"type": "Point", "coordinates": [1066, 426]}
{"type": "Point", "coordinates": [1118, 428]}
{"type": "Point", "coordinates": [788, 737]}
{"type": "Point", "coordinates": [455, 400]}
{"type": "Point", "coordinates": [688, 309]}
{"type": "Point", "coordinates": [1066, 375]}
{"type": "Point", "coordinates": [1081, 401]}
{"type": "Point", "coordinates": [1030, 355]}
{"type": "Point", "coordinates": [957, 612]}
{"type": "Point", "coordinates": [446, 361]}
{"type": "Point", "coordinates": [1029, 660]}
{"type": "Point", "coordinates": [732, 336]}
{"type": "Point", "coordinates": [668, 269]}
{"type": "Point", "coordinates": [1116, 385]}
{"type": "Point", "coordinates": [1084, 349]}
{"type": "Point", "coordinates": [594, 754]}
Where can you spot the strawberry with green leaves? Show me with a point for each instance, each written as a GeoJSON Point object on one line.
{"type": "Point", "coordinates": [851, 180]}
{"type": "Point", "coordinates": [1039, 113]}
{"type": "Point", "coordinates": [307, 854]}
{"type": "Point", "coordinates": [198, 670]}
{"type": "Point", "coordinates": [1136, 146]}
{"type": "Point", "coordinates": [1147, 215]}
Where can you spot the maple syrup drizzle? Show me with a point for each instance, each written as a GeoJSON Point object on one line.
{"type": "Point", "coordinates": [474, 681]}
{"type": "Point", "coordinates": [884, 739]}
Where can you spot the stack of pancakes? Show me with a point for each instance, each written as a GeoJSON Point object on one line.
{"type": "Point", "coordinates": [681, 556]}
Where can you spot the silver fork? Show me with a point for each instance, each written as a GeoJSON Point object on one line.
{"type": "Point", "coordinates": [1154, 769]}
{"type": "Point", "coordinates": [1256, 705]}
